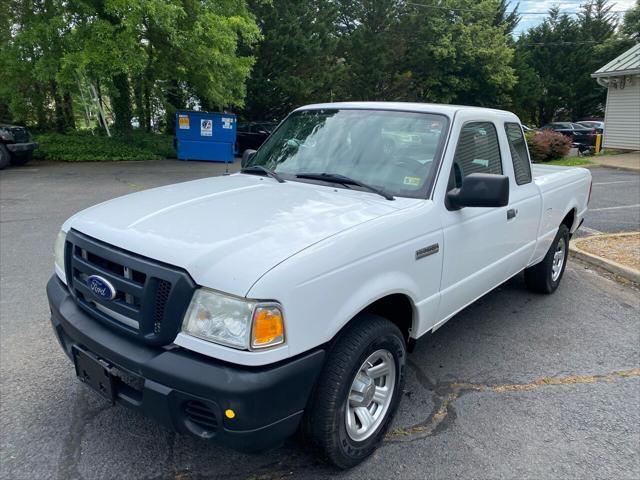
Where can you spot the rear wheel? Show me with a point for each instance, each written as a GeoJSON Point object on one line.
{"type": "Point", "coordinates": [5, 157]}
{"type": "Point", "coordinates": [21, 158]}
{"type": "Point", "coordinates": [358, 391]}
{"type": "Point", "coordinates": [546, 275]}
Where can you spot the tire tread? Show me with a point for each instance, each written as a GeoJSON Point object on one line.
{"type": "Point", "coordinates": [319, 425]}
{"type": "Point", "coordinates": [538, 277]}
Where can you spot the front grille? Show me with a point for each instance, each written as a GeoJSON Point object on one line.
{"type": "Point", "coordinates": [150, 297]}
{"type": "Point", "coordinates": [201, 415]}
{"type": "Point", "coordinates": [162, 295]}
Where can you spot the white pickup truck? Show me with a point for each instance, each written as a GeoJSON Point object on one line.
{"type": "Point", "coordinates": [242, 308]}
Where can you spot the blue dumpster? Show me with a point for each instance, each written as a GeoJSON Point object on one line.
{"type": "Point", "coordinates": [205, 136]}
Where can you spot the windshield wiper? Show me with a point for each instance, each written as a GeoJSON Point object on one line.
{"type": "Point", "coordinates": [265, 170]}
{"type": "Point", "coordinates": [344, 180]}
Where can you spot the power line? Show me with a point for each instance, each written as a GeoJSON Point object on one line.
{"type": "Point", "coordinates": [477, 10]}
{"type": "Point", "coordinates": [585, 42]}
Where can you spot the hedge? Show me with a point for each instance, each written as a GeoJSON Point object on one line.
{"type": "Point", "coordinates": [546, 145]}
{"type": "Point", "coordinates": [85, 147]}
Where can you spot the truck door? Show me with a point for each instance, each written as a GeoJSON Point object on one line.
{"type": "Point", "coordinates": [525, 202]}
{"type": "Point", "coordinates": [477, 240]}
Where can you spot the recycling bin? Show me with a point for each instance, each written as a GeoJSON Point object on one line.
{"type": "Point", "coordinates": [205, 136]}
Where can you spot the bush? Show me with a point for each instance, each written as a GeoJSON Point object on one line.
{"type": "Point", "coordinates": [84, 147]}
{"type": "Point", "coordinates": [547, 145]}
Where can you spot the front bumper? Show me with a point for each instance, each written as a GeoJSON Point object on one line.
{"type": "Point", "coordinates": [162, 382]}
{"type": "Point", "coordinates": [21, 147]}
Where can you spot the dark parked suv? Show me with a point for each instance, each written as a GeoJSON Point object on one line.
{"type": "Point", "coordinates": [16, 145]}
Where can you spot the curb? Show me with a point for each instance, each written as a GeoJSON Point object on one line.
{"type": "Point", "coordinates": [614, 167]}
{"type": "Point", "coordinates": [613, 267]}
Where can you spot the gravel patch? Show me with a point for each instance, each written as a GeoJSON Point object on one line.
{"type": "Point", "coordinates": [623, 249]}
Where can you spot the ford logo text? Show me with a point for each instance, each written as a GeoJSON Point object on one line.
{"type": "Point", "coordinates": [101, 287]}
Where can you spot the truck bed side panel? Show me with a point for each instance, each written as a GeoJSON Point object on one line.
{"type": "Point", "coordinates": [563, 189]}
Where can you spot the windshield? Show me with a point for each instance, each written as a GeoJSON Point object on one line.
{"type": "Point", "coordinates": [393, 151]}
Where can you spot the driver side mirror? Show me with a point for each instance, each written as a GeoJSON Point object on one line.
{"type": "Point", "coordinates": [480, 190]}
{"type": "Point", "coordinates": [246, 156]}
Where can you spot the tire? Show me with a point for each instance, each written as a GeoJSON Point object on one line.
{"type": "Point", "coordinates": [22, 158]}
{"type": "Point", "coordinates": [368, 338]}
{"type": "Point", "coordinates": [5, 157]}
{"type": "Point", "coordinates": [546, 275]}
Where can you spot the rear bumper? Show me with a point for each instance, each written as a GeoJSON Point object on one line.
{"type": "Point", "coordinates": [268, 401]}
{"type": "Point", "coordinates": [21, 147]}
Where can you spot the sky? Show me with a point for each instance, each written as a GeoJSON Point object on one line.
{"type": "Point", "coordinates": [529, 21]}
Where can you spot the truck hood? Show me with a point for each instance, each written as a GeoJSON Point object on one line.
{"type": "Point", "coordinates": [228, 231]}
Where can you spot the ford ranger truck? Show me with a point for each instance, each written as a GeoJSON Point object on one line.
{"type": "Point", "coordinates": [243, 308]}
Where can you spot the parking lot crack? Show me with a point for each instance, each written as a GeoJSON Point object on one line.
{"type": "Point", "coordinates": [446, 394]}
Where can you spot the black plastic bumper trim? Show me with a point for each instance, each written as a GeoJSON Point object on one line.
{"type": "Point", "coordinates": [21, 147]}
{"type": "Point", "coordinates": [268, 401]}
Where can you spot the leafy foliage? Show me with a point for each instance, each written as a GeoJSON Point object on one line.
{"type": "Point", "coordinates": [142, 59]}
{"type": "Point", "coordinates": [631, 24]}
{"type": "Point", "coordinates": [84, 147]}
{"type": "Point", "coordinates": [554, 62]}
{"type": "Point", "coordinates": [296, 60]}
{"type": "Point", "coordinates": [173, 52]}
{"type": "Point", "coordinates": [547, 145]}
{"type": "Point", "coordinates": [328, 50]}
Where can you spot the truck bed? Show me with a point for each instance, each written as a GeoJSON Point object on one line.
{"type": "Point", "coordinates": [563, 189]}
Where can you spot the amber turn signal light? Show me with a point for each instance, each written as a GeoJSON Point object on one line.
{"type": "Point", "coordinates": [268, 327]}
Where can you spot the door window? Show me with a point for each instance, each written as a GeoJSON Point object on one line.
{"type": "Point", "coordinates": [478, 151]}
{"type": "Point", "coordinates": [519, 153]}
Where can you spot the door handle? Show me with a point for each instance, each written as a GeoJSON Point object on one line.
{"type": "Point", "coordinates": [511, 213]}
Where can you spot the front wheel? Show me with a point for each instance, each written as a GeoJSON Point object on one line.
{"type": "Point", "coordinates": [358, 391]}
{"type": "Point", "coordinates": [546, 275]}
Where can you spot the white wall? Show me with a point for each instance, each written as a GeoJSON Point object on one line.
{"type": "Point", "coordinates": [622, 116]}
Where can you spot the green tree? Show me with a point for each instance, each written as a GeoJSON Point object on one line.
{"type": "Point", "coordinates": [631, 22]}
{"type": "Point", "coordinates": [372, 45]}
{"type": "Point", "coordinates": [556, 58]}
{"type": "Point", "coordinates": [174, 49]}
{"type": "Point", "coordinates": [32, 42]}
{"type": "Point", "coordinates": [296, 59]}
{"type": "Point", "coordinates": [598, 33]}
{"type": "Point", "coordinates": [461, 55]}
{"type": "Point", "coordinates": [142, 56]}
{"type": "Point", "coordinates": [529, 90]}
{"type": "Point", "coordinates": [507, 16]}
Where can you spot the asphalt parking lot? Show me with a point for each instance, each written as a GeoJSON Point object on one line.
{"type": "Point", "coordinates": [615, 202]}
{"type": "Point", "coordinates": [518, 385]}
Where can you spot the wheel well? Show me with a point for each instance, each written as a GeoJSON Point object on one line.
{"type": "Point", "coordinates": [397, 308]}
{"type": "Point", "coordinates": [569, 219]}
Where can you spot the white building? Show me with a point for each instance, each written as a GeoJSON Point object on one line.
{"type": "Point", "coordinates": [621, 78]}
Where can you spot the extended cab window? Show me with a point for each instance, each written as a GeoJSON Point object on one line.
{"type": "Point", "coordinates": [519, 153]}
{"type": "Point", "coordinates": [478, 151]}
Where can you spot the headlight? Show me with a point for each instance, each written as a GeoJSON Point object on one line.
{"type": "Point", "coordinates": [6, 135]}
{"type": "Point", "coordinates": [59, 253]}
{"type": "Point", "coordinates": [234, 322]}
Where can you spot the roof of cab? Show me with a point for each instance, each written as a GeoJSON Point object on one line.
{"type": "Point", "coordinates": [448, 110]}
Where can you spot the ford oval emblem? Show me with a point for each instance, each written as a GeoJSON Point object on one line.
{"type": "Point", "coordinates": [101, 287]}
